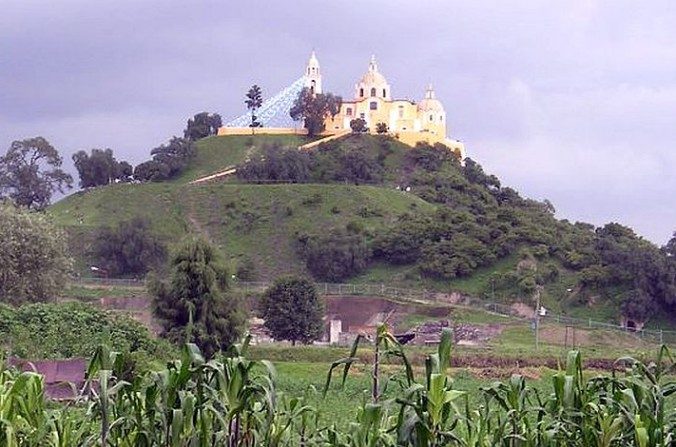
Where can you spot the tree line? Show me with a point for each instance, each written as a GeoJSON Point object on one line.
{"type": "Point", "coordinates": [31, 171]}
{"type": "Point", "coordinates": [478, 222]}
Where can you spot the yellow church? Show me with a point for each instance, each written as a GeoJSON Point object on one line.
{"type": "Point", "coordinates": [408, 121]}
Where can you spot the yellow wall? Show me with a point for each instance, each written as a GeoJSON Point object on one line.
{"type": "Point", "coordinates": [261, 131]}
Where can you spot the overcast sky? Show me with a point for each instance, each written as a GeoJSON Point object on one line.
{"type": "Point", "coordinates": [573, 101]}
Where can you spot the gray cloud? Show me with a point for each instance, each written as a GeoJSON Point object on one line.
{"type": "Point", "coordinates": [574, 101]}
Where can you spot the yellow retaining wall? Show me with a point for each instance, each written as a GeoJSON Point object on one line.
{"type": "Point", "coordinates": [261, 131]}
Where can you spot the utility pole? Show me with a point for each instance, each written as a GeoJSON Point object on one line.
{"type": "Point", "coordinates": [537, 318]}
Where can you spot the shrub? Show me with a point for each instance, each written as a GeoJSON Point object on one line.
{"type": "Point", "coordinates": [129, 249]}
{"type": "Point", "coordinates": [335, 256]}
{"type": "Point", "coordinates": [34, 263]}
{"type": "Point", "coordinates": [276, 164]}
{"type": "Point", "coordinates": [358, 125]}
{"type": "Point", "coordinates": [50, 330]}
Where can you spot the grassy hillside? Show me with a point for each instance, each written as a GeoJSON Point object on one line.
{"type": "Point", "coordinates": [462, 229]}
{"type": "Point", "coordinates": [245, 220]}
{"type": "Point", "coordinates": [215, 154]}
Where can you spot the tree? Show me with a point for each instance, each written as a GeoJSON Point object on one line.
{"type": "Point", "coordinates": [129, 249]}
{"type": "Point", "coordinates": [34, 264]}
{"type": "Point", "coordinates": [254, 100]}
{"type": "Point", "coordinates": [168, 161]}
{"type": "Point", "coordinates": [202, 125]}
{"type": "Point", "coordinates": [358, 125]}
{"type": "Point", "coordinates": [100, 168]}
{"type": "Point", "coordinates": [336, 255]}
{"type": "Point", "coordinates": [292, 310]}
{"type": "Point", "coordinates": [196, 304]}
{"type": "Point", "coordinates": [276, 163]}
{"type": "Point", "coordinates": [314, 109]}
{"type": "Point", "coordinates": [381, 128]}
{"type": "Point", "coordinates": [31, 172]}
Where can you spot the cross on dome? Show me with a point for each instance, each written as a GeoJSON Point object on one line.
{"type": "Point", "coordinates": [373, 65]}
{"type": "Point", "coordinates": [429, 92]}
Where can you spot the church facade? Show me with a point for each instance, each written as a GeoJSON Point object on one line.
{"type": "Point", "coordinates": [406, 120]}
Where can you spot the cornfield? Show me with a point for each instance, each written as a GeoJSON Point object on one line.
{"type": "Point", "coordinates": [231, 401]}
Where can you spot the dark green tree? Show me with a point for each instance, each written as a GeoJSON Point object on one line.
{"type": "Point", "coordinates": [358, 125]}
{"type": "Point", "coordinates": [254, 100]}
{"type": "Point", "coordinates": [336, 255]}
{"type": "Point", "coordinates": [381, 128]}
{"type": "Point", "coordinates": [168, 161]}
{"type": "Point", "coordinates": [276, 163]}
{"type": "Point", "coordinates": [202, 125]}
{"type": "Point", "coordinates": [292, 310]}
{"type": "Point", "coordinates": [131, 248]}
{"type": "Point", "coordinates": [195, 305]}
{"type": "Point", "coordinates": [314, 109]}
{"type": "Point", "coordinates": [30, 172]}
{"type": "Point", "coordinates": [34, 264]}
{"type": "Point", "coordinates": [100, 168]}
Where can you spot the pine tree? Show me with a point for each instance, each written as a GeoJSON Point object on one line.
{"type": "Point", "coordinates": [195, 305]}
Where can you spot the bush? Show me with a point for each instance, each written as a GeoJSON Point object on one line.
{"type": "Point", "coordinates": [168, 161]}
{"type": "Point", "coordinates": [276, 164]}
{"type": "Point", "coordinates": [50, 330]}
{"type": "Point", "coordinates": [34, 264]}
{"type": "Point", "coordinates": [335, 256]}
{"type": "Point", "coordinates": [358, 125]}
{"type": "Point", "coordinates": [129, 249]}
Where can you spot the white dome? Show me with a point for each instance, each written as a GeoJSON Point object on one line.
{"type": "Point", "coordinates": [430, 103]}
{"type": "Point", "coordinates": [373, 83]}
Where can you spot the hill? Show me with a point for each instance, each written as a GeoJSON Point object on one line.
{"type": "Point", "coordinates": [417, 217]}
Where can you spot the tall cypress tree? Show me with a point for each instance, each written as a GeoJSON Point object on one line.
{"type": "Point", "coordinates": [195, 305]}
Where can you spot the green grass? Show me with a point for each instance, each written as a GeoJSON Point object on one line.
{"type": "Point", "coordinates": [263, 221]}
{"type": "Point", "coordinates": [109, 205]}
{"type": "Point", "coordinates": [90, 293]}
{"type": "Point", "coordinates": [340, 404]}
{"type": "Point", "coordinates": [215, 154]}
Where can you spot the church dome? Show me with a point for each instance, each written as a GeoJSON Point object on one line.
{"type": "Point", "coordinates": [430, 103]}
{"type": "Point", "coordinates": [373, 83]}
{"type": "Point", "coordinates": [373, 78]}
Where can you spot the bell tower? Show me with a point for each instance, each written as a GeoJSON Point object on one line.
{"type": "Point", "coordinates": [313, 75]}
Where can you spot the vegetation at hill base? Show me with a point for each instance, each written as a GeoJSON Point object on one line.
{"type": "Point", "coordinates": [420, 219]}
{"type": "Point", "coordinates": [293, 310]}
{"type": "Point", "coordinates": [131, 248]}
{"type": "Point", "coordinates": [231, 400]}
{"type": "Point", "coordinates": [34, 261]}
{"type": "Point", "coordinates": [67, 330]}
{"type": "Point", "coordinates": [194, 304]}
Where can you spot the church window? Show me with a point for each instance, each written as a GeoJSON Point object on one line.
{"type": "Point", "coordinates": [348, 111]}
{"type": "Point", "coordinates": [362, 115]}
{"type": "Point", "coordinates": [373, 105]}
{"type": "Point", "coordinates": [373, 91]}
{"type": "Point", "coordinates": [431, 117]}
{"type": "Point", "coordinates": [384, 93]}
{"type": "Point", "coordinates": [361, 92]}
{"type": "Point", "coordinates": [441, 118]}
{"type": "Point", "coordinates": [401, 111]}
